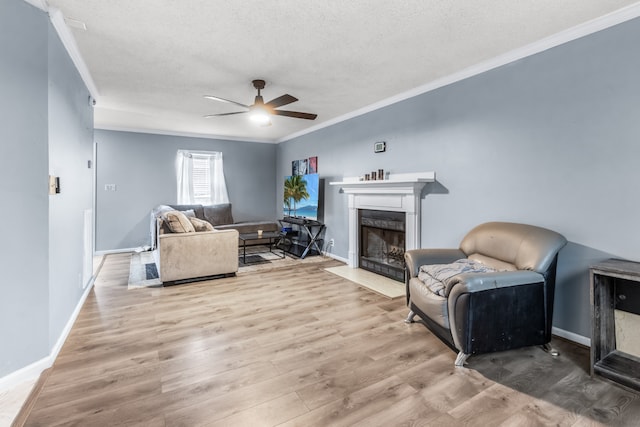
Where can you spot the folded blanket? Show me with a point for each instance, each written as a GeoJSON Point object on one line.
{"type": "Point", "coordinates": [436, 276]}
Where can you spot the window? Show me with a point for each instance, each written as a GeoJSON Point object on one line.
{"type": "Point", "coordinates": [200, 178]}
{"type": "Point", "coordinates": [201, 175]}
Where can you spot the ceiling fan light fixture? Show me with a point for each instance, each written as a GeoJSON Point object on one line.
{"type": "Point", "coordinates": [260, 116]}
{"type": "Point", "coordinates": [260, 111]}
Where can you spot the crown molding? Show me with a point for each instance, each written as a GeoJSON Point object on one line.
{"type": "Point", "coordinates": [185, 134]}
{"type": "Point", "coordinates": [69, 42]}
{"type": "Point", "coordinates": [614, 18]}
{"type": "Point", "coordinates": [40, 4]}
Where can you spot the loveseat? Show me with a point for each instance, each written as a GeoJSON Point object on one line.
{"type": "Point", "coordinates": [201, 241]}
{"type": "Point", "coordinates": [495, 292]}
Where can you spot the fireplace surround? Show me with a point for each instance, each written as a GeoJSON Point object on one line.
{"type": "Point", "coordinates": [398, 193]}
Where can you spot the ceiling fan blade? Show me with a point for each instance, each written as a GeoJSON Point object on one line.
{"type": "Point", "coordinates": [281, 100]}
{"type": "Point", "coordinates": [295, 114]}
{"type": "Point", "coordinates": [217, 98]}
{"type": "Point", "coordinates": [208, 116]}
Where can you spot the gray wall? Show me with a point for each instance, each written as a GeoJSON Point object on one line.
{"type": "Point", "coordinates": [70, 148]}
{"type": "Point", "coordinates": [24, 252]}
{"type": "Point", "coordinates": [551, 139]}
{"type": "Point", "coordinates": [46, 126]}
{"type": "Point", "coordinates": [143, 168]}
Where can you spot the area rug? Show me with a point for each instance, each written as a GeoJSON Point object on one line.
{"type": "Point", "coordinates": [273, 260]}
{"type": "Point", "coordinates": [143, 272]}
{"type": "Point", "coordinates": [371, 281]}
{"type": "Point", "coordinates": [252, 260]}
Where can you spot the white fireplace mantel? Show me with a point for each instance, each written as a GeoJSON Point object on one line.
{"type": "Point", "coordinates": [399, 192]}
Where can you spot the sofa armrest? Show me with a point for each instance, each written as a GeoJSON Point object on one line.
{"type": "Point", "coordinates": [476, 282]}
{"type": "Point", "coordinates": [506, 309]}
{"type": "Point", "coordinates": [417, 257]}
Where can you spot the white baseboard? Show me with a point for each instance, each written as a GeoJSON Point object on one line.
{"type": "Point", "coordinates": [115, 251]}
{"type": "Point", "coordinates": [34, 370]}
{"type": "Point", "coordinates": [29, 372]}
{"type": "Point", "coordinates": [571, 336]}
{"type": "Point", "coordinates": [67, 328]}
{"type": "Point", "coordinates": [336, 257]}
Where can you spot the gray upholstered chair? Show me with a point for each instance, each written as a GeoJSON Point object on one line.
{"type": "Point", "coordinates": [480, 312]}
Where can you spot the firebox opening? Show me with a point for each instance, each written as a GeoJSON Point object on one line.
{"type": "Point", "coordinates": [382, 242]}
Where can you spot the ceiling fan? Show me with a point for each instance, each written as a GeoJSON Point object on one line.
{"type": "Point", "coordinates": [260, 110]}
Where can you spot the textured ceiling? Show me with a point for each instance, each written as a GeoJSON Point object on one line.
{"type": "Point", "coordinates": [153, 60]}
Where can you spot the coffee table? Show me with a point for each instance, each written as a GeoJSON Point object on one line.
{"type": "Point", "coordinates": [270, 238]}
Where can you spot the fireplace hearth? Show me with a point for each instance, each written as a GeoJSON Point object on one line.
{"type": "Point", "coordinates": [382, 242]}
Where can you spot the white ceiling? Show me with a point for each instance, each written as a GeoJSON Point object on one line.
{"type": "Point", "coordinates": [153, 60]}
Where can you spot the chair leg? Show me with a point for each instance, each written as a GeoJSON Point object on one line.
{"type": "Point", "coordinates": [410, 317]}
{"type": "Point", "coordinates": [461, 359]}
{"type": "Point", "coordinates": [552, 351]}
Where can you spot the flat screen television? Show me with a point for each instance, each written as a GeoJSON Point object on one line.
{"type": "Point", "coordinates": [301, 196]}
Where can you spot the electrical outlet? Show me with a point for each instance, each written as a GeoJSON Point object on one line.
{"type": "Point", "coordinates": [331, 242]}
{"type": "Point", "coordinates": [110, 187]}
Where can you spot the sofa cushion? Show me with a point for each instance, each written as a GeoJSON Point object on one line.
{"type": "Point", "coordinates": [218, 214]}
{"type": "Point", "coordinates": [493, 263]}
{"type": "Point", "coordinates": [200, 224]}
{"type": "Point", "coordinates": [198, 209]}
{"type": "Point", "coordinates": [178, 222]}
{"type": "Point", "coordinates": [432, 305]}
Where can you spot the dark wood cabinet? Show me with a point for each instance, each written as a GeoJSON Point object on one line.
{"type": "Point", "coordinates": [615, 285]}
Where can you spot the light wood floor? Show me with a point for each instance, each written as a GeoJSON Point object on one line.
{"type": "Point", "coordinates": [298, 347]}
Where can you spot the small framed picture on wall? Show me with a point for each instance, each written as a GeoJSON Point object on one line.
{"type": "Point", "coordinates": [304, 166]}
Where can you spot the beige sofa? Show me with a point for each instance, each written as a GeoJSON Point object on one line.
{"type": "Point", "coordinates": [182, 256]}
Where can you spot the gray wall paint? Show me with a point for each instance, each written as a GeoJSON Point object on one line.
{"type": "Point", "coordinates": [46, 126]}
{"type": "Point", "coordinates": [70, 147]}
{"type": "Point", "coordinates": [143, 168]}
{"type": "Point", "coordinates": [551, 139]}
{"type": "Point", "coordinates": [23, 186]}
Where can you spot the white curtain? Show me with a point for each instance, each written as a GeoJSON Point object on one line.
{"type": "Point", "coordinates": [184, 167]}
{"type": "Point", "coordinates": [218, 184]}
{"type": "Point", "coordinates": [204, 184]}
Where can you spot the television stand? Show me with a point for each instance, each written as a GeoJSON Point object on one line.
{"type": "Point", "coordinates": [301, 236]}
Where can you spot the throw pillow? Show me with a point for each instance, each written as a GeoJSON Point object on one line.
{"type": "Point", "coordinates": [189, 213]}
{"type": "Point", "coordinates": [178, 222]}
{"type": "Point", "coordinates": [201, 224]}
